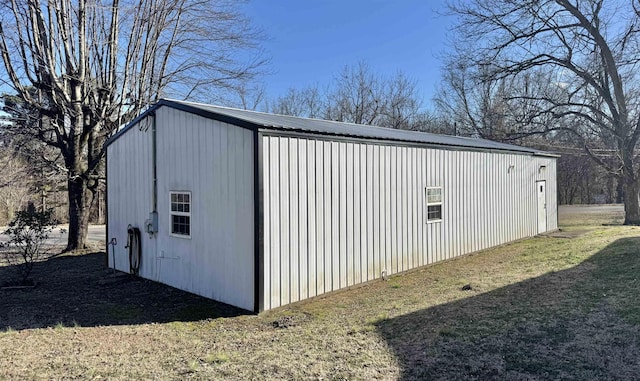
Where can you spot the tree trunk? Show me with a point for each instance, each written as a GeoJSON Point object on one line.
{"type": "Point", "coordinates": [619, 191]}
{"type": "Point", "coordinates": [79, 208]}
{"type": "Point", "coordinates": [631, 202]}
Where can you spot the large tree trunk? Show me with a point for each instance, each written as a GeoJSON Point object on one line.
{"type": "Point", "coordinates": [632, 202]}
{"type": "Point", "coordinates": [79, 209]}
{"type": "Point", "coordinates": [619, 191]}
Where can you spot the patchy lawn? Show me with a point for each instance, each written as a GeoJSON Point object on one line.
{"type": "Point", "coordinates": [580, 215]}
{"type": "Point", "coordinates": [543, 308]}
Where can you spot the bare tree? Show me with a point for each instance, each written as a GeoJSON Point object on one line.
{"type": "Point", "coordinates": [16, 185]}
{"type": "Point", "coordinates": [358, 95]}
{"type": "Point", "coordinates": [401, 104]}
{"type": "Point", "coordinates": [89, 66]}
{"type": "Point", "coordinates": [483, 105]}
{"type": "Point", "coordinates": [249, 96]}
{"type": "Point", "coordinates": [307, 103]}
{"type": "Point", "coordinates": [475, 103]}
{"type": "Point", "coordinates": [589, 49]}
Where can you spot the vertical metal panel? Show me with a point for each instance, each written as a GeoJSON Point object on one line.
{"type": "Point", "coordinates": [403, 210]}
{"type": "Point", "coordinates": [373, 212]}
{"type": "Point", "coordinates": [359, 262]}
{"type": "Point", "coordinates": [396, 202]}
{"type": "Point", "coordinates": [285, 204]}
{"type": "Point", "coordinates": [420, 206]}
{"type": "Point", "coordinates": [320, 218]}
{"type": "Point", "coordinates": [423, 205]}
{"type": "Point", "coordinates": [353, 255]}
{"type": "Point", "coordinates": [474, 172]}
{"type": "Point", "coordinates": [378, 210]}
{"type": "Point", "coordinates": [312, 218]}
{"type": "Point", "coordinates": [387, 218]}
{"type": "Point", "coordinates": [365, 248]}
{"type": "Point", "coordinates": [335, 215]}
{"type": "Point", "coordinates": [453, 199]}
{"type": "Point", "coordinates": [272, 261]}
{"type": "Point", "coordinates": [451, 204]}
{"type": "Point", "coordinates": [392, 199]}
{"type": "Point", "coordinates": [267, 217]}
{"type": "Point", "coordinates": [343, 206]}
{"type": "Point", "coordinates": [303, 222]}
{"type": "Point", "coordinates": [412, 207]}
{"type": "Point", "coordinates": [294, 223]}
{"type": "Point", "coordinates": [328, 220]}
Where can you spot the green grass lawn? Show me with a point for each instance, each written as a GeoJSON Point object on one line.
{"type": "Point", "coordinates": [542, 308]}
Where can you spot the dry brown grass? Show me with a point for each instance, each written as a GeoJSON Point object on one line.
{"type": "Point", "coordinates": [573, 216]}
{"type": "Point", "coordinates": [543, 308]}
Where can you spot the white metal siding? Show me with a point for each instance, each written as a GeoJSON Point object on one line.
{"type": "Point", "coordinates": [129, 186]}
{"type": "Point", "coordinates": [341, 213]}
{"type": "Point", "coordinates": [213, 161]}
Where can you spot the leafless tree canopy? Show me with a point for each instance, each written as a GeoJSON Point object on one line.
{"type": "Point", "coordinates": [89, 66]}
{"type": "Point", "coordinates": [359, 95]}
{"type": "Point", "coordinates": [586, 53]}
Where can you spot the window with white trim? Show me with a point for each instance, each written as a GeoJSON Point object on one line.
{"type": "Point", "coordinates": [181, 214]}
{"type": "Point", "coordinates": [434, 204]}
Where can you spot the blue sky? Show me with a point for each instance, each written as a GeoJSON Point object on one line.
{"type": "Point", "coordinates": [310, 41]}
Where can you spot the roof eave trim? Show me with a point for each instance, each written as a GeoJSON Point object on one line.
{"type": "Point", "coordinates": [186, 108]}
{"type": "Point", "coordinates": [547, 154]}
{"type": "Point", "coordinates": [135, 121]}
{"type": "Point", "coordinates": [296, 132]}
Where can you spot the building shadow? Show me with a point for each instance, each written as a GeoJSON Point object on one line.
{"type": "Point", "coordinates": [81, 291]}
{"type": "Point", "coordinates": [582, 323]}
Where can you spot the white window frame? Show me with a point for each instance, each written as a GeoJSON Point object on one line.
{"type": "Point", "coordinates": [178, 213]}
{"type": "Point", "coordinates": [435, 203]}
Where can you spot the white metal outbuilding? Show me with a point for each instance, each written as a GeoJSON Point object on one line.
{"type": "Point", "coordinates": [259, 210]}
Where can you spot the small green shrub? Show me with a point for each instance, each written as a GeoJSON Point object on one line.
{"type": "Point", "coordinates": [27, 233]}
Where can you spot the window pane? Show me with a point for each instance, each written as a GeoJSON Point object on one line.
{"type": "Point", "coordinates": [434, 212]}
{"type": "Point", "coordinates": [180, 225]}
{"type": "Point", "coordinates": [434, 195]}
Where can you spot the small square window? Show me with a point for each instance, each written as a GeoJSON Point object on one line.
{"type": "Point", "coordinates": [434, 212]}
{"type": "Point", "coordinates": [180, 214]}
{"type": "Point", "coordinates": [434, 204]}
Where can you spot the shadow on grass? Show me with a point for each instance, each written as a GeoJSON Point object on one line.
{"type": "Point", "coordinates": [70, 293]}
{"type": "Point", "coordinates": [582, 323]}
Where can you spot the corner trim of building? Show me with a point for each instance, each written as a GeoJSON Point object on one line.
{"type": "Point", "coordinates": [106, 208]}
{"type": "Point", "coordinates": [258, 219]}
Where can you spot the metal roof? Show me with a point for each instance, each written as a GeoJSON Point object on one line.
{"type": "Point", "coordinates": [264, 121]}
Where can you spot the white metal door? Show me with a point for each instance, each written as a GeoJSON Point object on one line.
{"type": "Point", "coordinates": [542, 206]}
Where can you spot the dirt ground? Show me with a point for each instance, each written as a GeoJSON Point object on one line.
{"type": "Point", "coordinates": [79, 290]}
